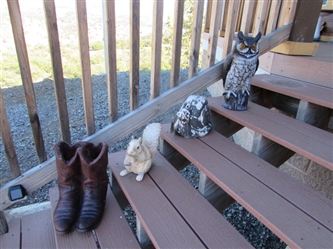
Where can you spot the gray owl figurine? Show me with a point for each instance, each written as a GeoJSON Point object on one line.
{"type": "Point", "coordinates": [239, 67]}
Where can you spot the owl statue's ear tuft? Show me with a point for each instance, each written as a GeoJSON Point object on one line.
{"type": "Point", "coordinates": [240, 35]}
{"type": "Point", "coordinates": [258, 37]}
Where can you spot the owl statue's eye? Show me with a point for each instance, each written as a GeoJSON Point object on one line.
{"type": "Point", "coordinates": [254, 47]}
{"type": "Point", "coordinates": [242, 46]}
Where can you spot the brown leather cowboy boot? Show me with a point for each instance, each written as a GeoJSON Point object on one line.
{"type": "Point", "coordinates": [69, 185]}
{"type": "Point", "coordinates": [94, 161]}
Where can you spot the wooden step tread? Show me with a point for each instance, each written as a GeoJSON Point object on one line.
{"type": "Point", "coordinates": [306, 140]}
{"type": "Point", "coordinates": [298, 89]}
{"type": "Point", "coordinates": [112, 232]}
{"type": "Point", "coordinates": [260, 188]}
{"type": "Point", "coordinates": [173, 213]}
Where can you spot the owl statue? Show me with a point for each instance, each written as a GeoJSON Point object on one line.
{"type": "Point", "coordinates": [239, 68]}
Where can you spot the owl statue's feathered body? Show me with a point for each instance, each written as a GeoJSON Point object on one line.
{"type": "Point", "coordinates": [240, 66]}
{"type": "Point", "coordinates": [140, 152]}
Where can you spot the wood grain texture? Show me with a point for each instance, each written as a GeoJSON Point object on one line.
{"type": "Point", "coordinates": [134, 54]}
{"type": "Point", "coordinates": [273, 16]}
{"type": "Point", "coordinates": [298, 89]}
{"type": "Point", "coordinates": [114, 231]}
{"type": "Point", "coordinates": [37, 230]}
{"type": "Point", "coordinates": [203, 218]}
{"type": "Point", "coordinates": [29, 93]}
{"type": "Point", "coordinates": [12, 239]}
{"type": "Point", "coordinates": [231, 27]}
{"type": "Point", "coordinates": [156, 49]}
{"type": "Point", "coordinates": [167, 229]}
{"type": "Point", "coordinates": [7, 140]}
{"type": "Point", "coordinates": [111, 58]}
{"type": "Point", "coordinates": [214, 29]}
{"type": "Point", "coordinates": [260, 17]}
{"type": "Point", "coordinates": [58, 75]}
{"type": "Point", "coordinates": [196, 37]}
{"type": "Point", "coordinates": [287, 12]}
{"type": "Point", "coordinates": [309, 141]}
{"type": "Point", "coordinates": [73, 239]}
{"type": "Point", "coordinates": [247, 17]}
{"type": "Point", "coordinates": [82, 22]}
{"type": "Point", "coordinates": [278, 214]}
{"type": "Point", "coordinates": [177, 42]}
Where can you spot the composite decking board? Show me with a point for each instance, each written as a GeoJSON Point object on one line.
{"type": "Point", "coordinates": [280, 216]}
{"type": "Point", "coordinates": [37, 230]}
{"type": "Point", "coordinates": [163, 224]}
{"type": "Point", "coordinates": [298, 89]}
{"type": "Point", "coordinates": [212, 228]}
{"type": "Point", "coordinates": [282, 130]}
{"type": "Point", "coordinates": [114, 231]}
{"type": "Point", "coordinates": [73, 239]}
{"type": "Point", "coordinates": [302, 196]}
{"type": "Point", "coordinates": [12, 239]}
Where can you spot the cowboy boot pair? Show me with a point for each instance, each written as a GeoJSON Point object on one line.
{"type": "Point", "coordinates": [82, 184]}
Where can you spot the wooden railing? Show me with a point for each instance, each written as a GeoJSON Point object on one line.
{"type": "Point", "coordinates": [236, 15]}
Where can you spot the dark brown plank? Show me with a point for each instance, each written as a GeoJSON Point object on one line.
{"type": "Point", "coordinates": [73, 239]}
{"type": "Point", "coordinates": [114, 231]}
{"type": "Point", "coordinates": [85, 66]}
{"type": "Point", "coordinates": [279, 215]}
{"type": "Point", "coordinates": [298, 89]}
{"type": "Point", "coordinates": [205, 220]}
{"type": "Point", "coordinates": [111, 58]}
{"type": "Point", "coordinates": [12, 239]}
{"type": "Point", "coordinates": [59, 82]}
{"type": "Point", "coordinates": [37, 230]}
{"type": "Point", "coordinates": [302, 196]}
{"type": "Point", "coordinates": [163, 224]}
{"type": "Point", "coordinates": [309, 141]}
{"type": "Point", "coordinates": [29, 93]}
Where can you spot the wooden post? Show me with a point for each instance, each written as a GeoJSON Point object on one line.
{"type": "Point", "coordinates": [156, 49]}
{"type": "Point", "coordinates": [59, 83]}
{"type": "Point", "coordinates": [85, 65]}
{"type": "Point", "coordinates": [111, 58]}
{"type": "Point", "coordinates": [22, 55]}
{"type": "Point", "coordinates": [247, 19]}
{"type": "Point", "coordinates": [7, 139]}
{"type": "Point", "coordinates": [196, 37]}
{"type": "Point", "coordinates": [177, 42]}
{"type": "Point", "coordinates": [3, 223]}
{"type": "Point", "coordinates": [134, 54]}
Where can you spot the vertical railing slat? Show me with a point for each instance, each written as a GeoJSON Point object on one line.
{"type": "Point", "coordinates": [247, 17]}
{"type": "Point", "coordinates": [111, 58]}
{"type": "Point", "coordinates": [177, 42]}
{"type": "Point", "coordinates": [214, 30]}
{"type": "Point", "coordinates": [273, 16]}
{"type": "Point", "coordinates": [196, 37]}
{"type": "Point", "coordinates": [156, 49]}
{"type": "Point", "coordinates": [231, 24]}
{"type": "Point", "coordinates": [134, 54]}
{"type": "Point", "coordinates": [287, 12]}
{"type": "Point", "coordinates": [260, 16]}
{"type": "Point", "coordinates": [59, 83]}
{"type": "Point", "coordinates": [85, 66]}
{"type": "Point", "coordinates": [7, 140]}
{"type": "Point", "coordinates": [208, 14]}
{"type": "Point", "coordinates": [22, 55]}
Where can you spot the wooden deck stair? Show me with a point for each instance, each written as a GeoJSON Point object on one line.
{"type": "Point", "coordinates": [173, 214]}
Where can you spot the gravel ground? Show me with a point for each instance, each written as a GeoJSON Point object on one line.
{"type": "Point", "coordinates": [254, 231]}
